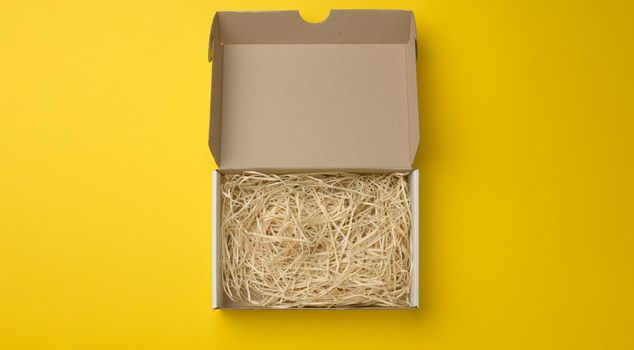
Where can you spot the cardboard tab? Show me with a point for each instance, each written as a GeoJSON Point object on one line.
{"type": "Point", "coordinates": [216, 91]}
{"type": "Point", "coordinates": [288, 94]}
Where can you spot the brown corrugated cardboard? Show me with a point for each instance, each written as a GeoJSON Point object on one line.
{"type": "Point", "coordinates": [340, 94]}
{"type": "Point", "coordinates": [293, 96]}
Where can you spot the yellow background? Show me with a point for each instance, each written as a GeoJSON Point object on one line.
{"type": "Point", "coordinates": [527, 235]}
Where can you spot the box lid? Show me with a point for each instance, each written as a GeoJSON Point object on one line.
{"type": "Point", "coordinates": [288, 94]}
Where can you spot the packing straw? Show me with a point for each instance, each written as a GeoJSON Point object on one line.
{"type": "Point", "coordinates": [316, 240]}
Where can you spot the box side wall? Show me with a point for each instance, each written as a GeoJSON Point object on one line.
{"type": "Point", "coordinates": [340, 27]}
{"type": "Point", "coordinates": [412, 92]}
{"type": "Point", "coordinates": [314, 170]}
{"type": "Point", "coordinates": [215, 117]}
{"type": "Point", "coordinates": [414, 195]}
{"type": "Point", "coordinates": [216, 277]}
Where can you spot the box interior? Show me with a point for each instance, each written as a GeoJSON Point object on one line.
{"type": "Point", "coordinates": [220, 300]}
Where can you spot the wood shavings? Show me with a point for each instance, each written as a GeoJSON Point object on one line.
{"type": "Point", "coordinates": [316, 240]}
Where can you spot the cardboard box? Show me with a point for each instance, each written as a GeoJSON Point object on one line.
{"type": "Point", "coordinates": [292, 96]}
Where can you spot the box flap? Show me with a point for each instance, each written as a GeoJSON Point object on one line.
{"type": "Point", "coordinates": [288, 94]}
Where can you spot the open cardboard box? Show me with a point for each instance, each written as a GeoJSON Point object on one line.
{"type": "Point", "coordinates": [292, 96]}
